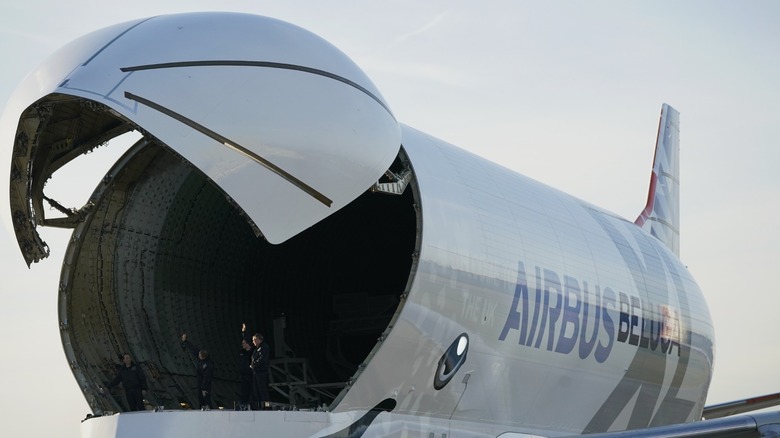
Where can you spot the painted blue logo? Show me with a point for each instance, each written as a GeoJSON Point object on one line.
{"type": "Point", "coordinates": [575, 316]}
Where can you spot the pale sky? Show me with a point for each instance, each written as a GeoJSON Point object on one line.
{"type": "Point", "coordinates": [567, 93]}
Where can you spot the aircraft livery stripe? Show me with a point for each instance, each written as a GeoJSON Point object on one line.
{"type": "Point", "coordinates": [673, 409]}
{"type": "Point", "coordinates": [647, 276]}
{"type": "Point", "coordinates": [233, 145]}
{"type": "Point", "coordinates": [637, 370]}
{"type": "Point", "coordinates": [264, 64]}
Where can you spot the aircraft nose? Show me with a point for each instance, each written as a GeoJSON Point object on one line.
{"type": "Point", "coordinates": [283, 122]}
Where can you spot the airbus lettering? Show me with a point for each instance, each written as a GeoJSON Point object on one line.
{"type": "Point", "coordinates": [577, 317]}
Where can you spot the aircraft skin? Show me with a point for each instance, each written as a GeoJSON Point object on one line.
{"type": "Point", "coordinates": [517, 309]}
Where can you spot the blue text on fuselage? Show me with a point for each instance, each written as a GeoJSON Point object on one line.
{"type": "Point", "coordinates": [572, 317]}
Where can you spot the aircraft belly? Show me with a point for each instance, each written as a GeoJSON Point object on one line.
{"type": "Point", "coordinates": [256, 424]}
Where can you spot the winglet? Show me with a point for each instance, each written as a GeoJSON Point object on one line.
{"type": "Point", "coordinates": [661, 216]}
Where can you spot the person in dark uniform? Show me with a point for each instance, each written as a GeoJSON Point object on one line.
{"type": "Point", "coordinates": [260, 359]}
{"type": "Point", "coordinates": [245, 370]}
{"type": "Point", "coordinates": [205, 372]}
{"type": "Point", "coordinates": [132, 378]}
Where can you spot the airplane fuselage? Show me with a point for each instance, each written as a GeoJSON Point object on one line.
{"type": "Point", "coordinates": [425, 291]}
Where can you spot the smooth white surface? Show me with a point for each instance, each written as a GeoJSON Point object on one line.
{"type": "Point", "coordinates": [281, 109]}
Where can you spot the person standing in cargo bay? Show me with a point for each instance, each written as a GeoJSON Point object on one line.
{"type": "Point", "coordinates": [132, 378]}
{"type": "Point", "coordinates": [205, 372]}
{"type": "Point", "coordinates": [245, 370]}
{"type": "Point", "coordinates": [260, 359]}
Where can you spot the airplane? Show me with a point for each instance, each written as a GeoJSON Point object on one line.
{"type": "Point", "coordinates": [411, 288]}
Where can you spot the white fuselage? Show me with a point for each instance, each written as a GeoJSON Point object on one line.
{"type": "Point", "coordinates": [525, 311]}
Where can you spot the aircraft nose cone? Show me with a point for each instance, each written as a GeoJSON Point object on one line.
{"type": "Point", "coordinates": [282, 121]}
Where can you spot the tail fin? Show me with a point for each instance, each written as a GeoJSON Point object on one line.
{"type": "Point", "coordinates": [661, 216]}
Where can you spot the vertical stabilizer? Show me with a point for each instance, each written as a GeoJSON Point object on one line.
{"type": "Point", "coordinates": [661, 216]}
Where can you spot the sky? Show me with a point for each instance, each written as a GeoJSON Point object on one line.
{"type": "Point", "coordinates": [565, 92]}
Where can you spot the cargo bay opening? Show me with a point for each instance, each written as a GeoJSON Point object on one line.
{"type": "Point", "coordinates": [159, 250]}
